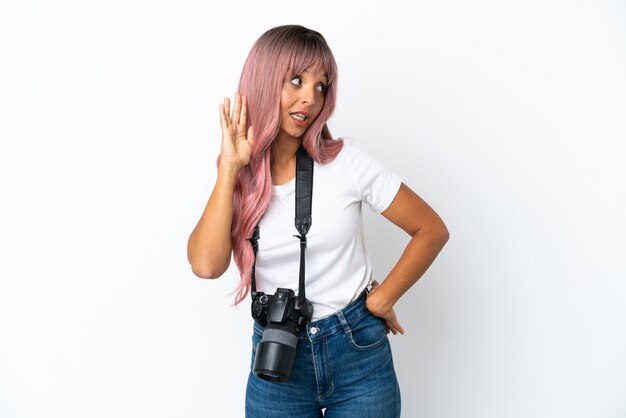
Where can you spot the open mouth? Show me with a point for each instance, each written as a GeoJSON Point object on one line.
{"type": "Point", "coordinates": [299, 116]}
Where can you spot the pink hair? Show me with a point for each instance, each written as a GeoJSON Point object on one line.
{"type": "Point", "coordinates": [281, 51]}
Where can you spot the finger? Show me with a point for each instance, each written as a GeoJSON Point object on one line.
{"type": "Point", "coordinates": [236, 109]}
{"type": "Point", "coordinates": [251, 135]}
{"type": "Point", "coordinates": [227, 109]}
{"type": "Point", "coordinates": [223, 122]}
{"type": "Point", "coordinates": [244, 114]}
{"type": "Point", "coordinates": [398, 327]}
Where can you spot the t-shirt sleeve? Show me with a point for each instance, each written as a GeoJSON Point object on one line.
{"type": "Point", "coordinates": [378, 184]}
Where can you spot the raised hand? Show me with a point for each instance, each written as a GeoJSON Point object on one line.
{"type": "Point", "coordinates": [236, 142]}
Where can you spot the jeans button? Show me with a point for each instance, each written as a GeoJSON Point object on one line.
{"type": "Point", "coordinates": [313, 330]}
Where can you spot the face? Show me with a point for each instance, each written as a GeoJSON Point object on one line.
{"type": "Point", "coordinates": [304, 93]}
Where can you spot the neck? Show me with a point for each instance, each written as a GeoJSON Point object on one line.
{"type": "Point", "coordinates": [283, 159]}
{"type": "Point", "coordinates": [284, 150]}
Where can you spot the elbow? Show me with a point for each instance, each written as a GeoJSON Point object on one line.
{"type": "Point", "coordinates": [206, 272]}
{"type": "Point", "coordinates": [209, 266]}
{"type": "Point", "coordinates": [444, 234]}
{"type": "Point", "coordinates": [438, 235]}
{"type": "Point", "coordinates": [209, 269]}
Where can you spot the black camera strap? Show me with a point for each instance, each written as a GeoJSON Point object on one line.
{"type": "Point", "coordinates": [304, 200]}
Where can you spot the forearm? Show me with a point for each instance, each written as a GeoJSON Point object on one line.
{"type": "Point", "coordinates": [209, 246]}
{"type": "Point", "coordinates": [417, 257]}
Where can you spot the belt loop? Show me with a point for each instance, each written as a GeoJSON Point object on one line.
{"type": "Point", "coordinates": [343, 321]}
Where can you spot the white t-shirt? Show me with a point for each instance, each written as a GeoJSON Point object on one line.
{"type": "Point", "coordinates": [337, 266]}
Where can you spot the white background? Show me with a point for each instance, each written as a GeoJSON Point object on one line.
{"type": "Point", "coordinates": [507, 117]}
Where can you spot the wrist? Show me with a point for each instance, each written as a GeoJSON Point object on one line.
{"type": "Point", "coordinates": [377, 302]}
{"type": "Point", "coordinates": [228, 169]}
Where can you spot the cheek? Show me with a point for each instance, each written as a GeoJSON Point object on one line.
{"type": "Point", "coordinates": [321, 103]}
{"type": "Point", "coordinates": [319, 110]}
{"type": "Point", "coordinates": [284, 101]}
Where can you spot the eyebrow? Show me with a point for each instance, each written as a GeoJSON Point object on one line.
{"type": "Point", "coordinates": [325, 75]}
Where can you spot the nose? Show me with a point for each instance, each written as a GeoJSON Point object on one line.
{"type": "Point", "coordinates": [308, 95]}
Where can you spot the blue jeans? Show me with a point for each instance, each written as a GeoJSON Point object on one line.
{"type": "Point", "coordinates": [343, 363]}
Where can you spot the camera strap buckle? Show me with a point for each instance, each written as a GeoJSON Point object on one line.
{"type": "Point", "coordinates": [302, 240]}
{"type": "Point", "coordinates": [254, 239]}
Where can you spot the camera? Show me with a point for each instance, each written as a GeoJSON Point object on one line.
{"type": "Point", "coordinates": [283, 314]}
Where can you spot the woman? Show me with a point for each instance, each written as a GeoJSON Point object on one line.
{"type": "Point", "coordinates": [343, 361]}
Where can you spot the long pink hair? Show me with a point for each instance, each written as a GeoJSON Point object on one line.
{"type": "Point", "coordinates": [281, 51]}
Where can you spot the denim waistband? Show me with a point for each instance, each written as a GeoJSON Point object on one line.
{"type": "Point", "coordinates": [339, 321]}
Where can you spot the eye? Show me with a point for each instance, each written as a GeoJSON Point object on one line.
{"type": "Point", "coordinates": [321, 86]}
{"type": "Point", "coordinates": [296, 78]}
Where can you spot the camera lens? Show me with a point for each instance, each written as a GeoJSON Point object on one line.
{"type": "Point", "coordinates": [276, 352]}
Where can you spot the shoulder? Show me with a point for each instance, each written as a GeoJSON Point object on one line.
{"type": "Point", "coordinates": [358, 156]}
{"type": "Point", "coordinates": [349, 149]}
{"type": "Point", "coordinates": [354, 157]}
{"type": "Point", "coordinates": [349, 161]}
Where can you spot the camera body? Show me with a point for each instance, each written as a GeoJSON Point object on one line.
{"type": "Point", "coordinates": [283, 314]}
{"type": "Point", "coordinates": [282, 306]}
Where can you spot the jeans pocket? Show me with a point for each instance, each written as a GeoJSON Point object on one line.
{"type": "Point", "coordinates": [368, 332]}
{"type": "Point", "coordinates": [257, 335]}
